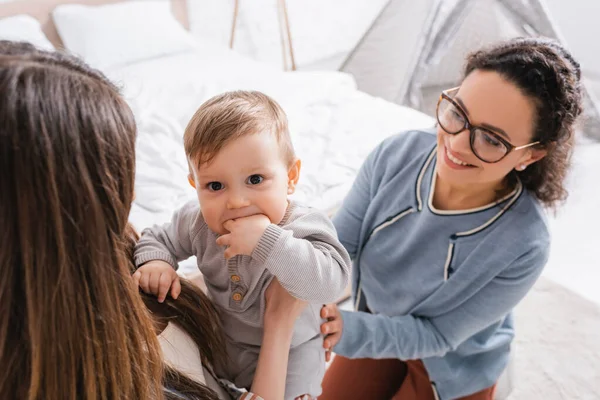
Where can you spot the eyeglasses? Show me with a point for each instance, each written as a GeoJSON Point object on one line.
{"type": "Point", "coordinates": [487, 145]}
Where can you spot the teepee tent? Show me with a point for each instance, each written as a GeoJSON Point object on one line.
{"type": "Point", "coordinates": [415, 49]}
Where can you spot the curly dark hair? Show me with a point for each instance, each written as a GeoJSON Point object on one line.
{"type": "Point", "coordinates": [547, 73]}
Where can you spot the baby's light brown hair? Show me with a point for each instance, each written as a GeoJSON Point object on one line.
{"type": "Point", "coordinates": [231, 115]}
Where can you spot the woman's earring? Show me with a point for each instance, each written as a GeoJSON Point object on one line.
{"type": "Point", "coordinates": [290, 188]}
{"type": "Point", "coordinates": [522, 167]}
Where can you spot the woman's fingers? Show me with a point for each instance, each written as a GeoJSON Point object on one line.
{"type": "Point", "coordinates": [331, 340]}
{"type": "Point", "coordinates": [332, 326]}
{"type": "Point", "coordinates": [329, 311]}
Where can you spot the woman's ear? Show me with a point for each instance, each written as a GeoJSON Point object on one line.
{"type": "Point", "coordinates": [533, 156]}
{"type": "Point", "coordinates": [191, 181]}
{"type": "Point", "coordinates": [294, 176]}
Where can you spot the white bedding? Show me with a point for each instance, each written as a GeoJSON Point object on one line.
{"type": "Point", "coordinates": [333, 125]}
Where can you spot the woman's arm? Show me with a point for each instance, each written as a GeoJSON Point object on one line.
{"type": "Point", "coordinates": [281, 312]}
{"type": "Point", "coordinates": [408, 337]}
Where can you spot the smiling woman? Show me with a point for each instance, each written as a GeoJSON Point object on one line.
{"type": "Point", "coordinates": [479, 156]}
{"type": "Point", "coordinates": [447, 232]}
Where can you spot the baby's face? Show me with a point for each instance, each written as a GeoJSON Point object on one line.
{"type": "Point", "coordinates": [248, 176]}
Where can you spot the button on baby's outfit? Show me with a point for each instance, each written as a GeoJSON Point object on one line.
{"type": "Point", "coordinates": [235, 278]}
{"type": "Point", "coordinates": [237, 296]}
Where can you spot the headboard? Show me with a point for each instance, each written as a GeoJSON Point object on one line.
{"type": "Point", "coordinates": [42, 11]}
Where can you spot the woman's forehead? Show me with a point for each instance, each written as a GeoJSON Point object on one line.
{"type": "Point", "coordinates": [490, 99]}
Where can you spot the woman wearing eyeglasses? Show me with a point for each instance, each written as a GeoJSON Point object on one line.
{"type": "Point", "coordinates": [447, 231]}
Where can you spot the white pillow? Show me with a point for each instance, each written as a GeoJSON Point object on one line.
{"type": "Point", "coordinates": [24, 28]}
{"type": "Point", "coordinates": [117, 34]}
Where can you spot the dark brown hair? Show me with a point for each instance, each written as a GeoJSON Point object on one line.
{"type": "Point", "coordinates": [71, 323]}
{"type": "Point", "coordinates": [547, 73]}
{"type": "Point", "coordinates": [231, 115]}
{"type": "Point", "coordinates": [193, 312]}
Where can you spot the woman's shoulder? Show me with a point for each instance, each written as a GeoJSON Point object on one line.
{"type": "Point", "coordinates": [524, 227]}
{"type": "Point", "coordinates": [530, 217]}
{"type": "Point", "coordinates": [514, 242]}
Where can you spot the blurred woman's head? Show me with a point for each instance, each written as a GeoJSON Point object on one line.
{"type": "Point", "coordinates": [512, 118]}
{"type": "Point", "coordinates": [71, 323]}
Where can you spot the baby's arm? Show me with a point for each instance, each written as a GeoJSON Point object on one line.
{"type": "Point", "coordinates": [160, 248]}
{"type": "Point", "coordinates": [306, 257]}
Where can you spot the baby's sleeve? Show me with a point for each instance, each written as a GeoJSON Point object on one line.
{"type": "Point", "coordinates": [306, 257]}
{"type": "Point", "coordinates": [171, 242]}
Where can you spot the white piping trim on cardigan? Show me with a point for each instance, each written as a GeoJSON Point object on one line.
{"type": "Point", "coordinates": [448, 260]}
{"type": "Point", "coordinates": [436, 396]}
{"type": "Point", "coordinates": [468, 211]}
{"type": "Point", "coordinates": [519, 190]}
{"type": "Point", "coordinates": [358, 295]}
{"type": "Point", "coordinates": [391, 221]}
{"type": "Point", "coordinates": [420, 178]}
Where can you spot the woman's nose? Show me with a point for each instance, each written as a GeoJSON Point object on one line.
{"type": "Point", "coordinates": [461, 142]}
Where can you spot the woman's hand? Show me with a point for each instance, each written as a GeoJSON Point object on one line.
{"type": "Point", "coordinates": [332, 329]}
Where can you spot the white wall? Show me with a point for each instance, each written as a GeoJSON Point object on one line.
{"type": "Point", "coordinates": [577, 21]}
{"type": "Point", "coordinates": [321, 29]}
